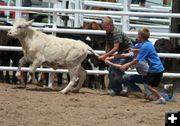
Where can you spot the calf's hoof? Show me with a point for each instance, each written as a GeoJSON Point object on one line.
{"type": "Point", "coordinates": [18, 75]}
{"type": "Point", "coordinates": [34, 82]}
{"type": "Point", "coordinates": [75, 91]}
{"type": "Point", "coordinates": [63, 92]}
{"type": "Point", "coordinates": [22, 86]}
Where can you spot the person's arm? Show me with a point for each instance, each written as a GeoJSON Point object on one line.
{"type": "Point", "coordinates": [127, 65]}
{"type": "Point", "coordinates": [120, 66]}
{"type": "Point", "coordinates": [112, 64]}
{"type": "Point", "coordinates": [124, 55]}
{"type": "Point", "coordinates": [134, 50]}
{"type": "Point", "coordinates": [113, 50]}
{"type": "Point", "coordinates": [107, 48]}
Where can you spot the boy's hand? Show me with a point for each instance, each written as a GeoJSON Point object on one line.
{"type": "Point", "coordinates": [124, 67]}
{"type": "Point", "coordinates": [107, 61]}
{"type": "Point", "coordinates": [131, 49]}
{"type": "Point", "coordinates": [110, 58]}
{"type": "Point", "coordinates": [102, 58]}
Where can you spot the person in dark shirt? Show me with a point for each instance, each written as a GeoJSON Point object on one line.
{"type": "Point", "coordinates": [116, 41]}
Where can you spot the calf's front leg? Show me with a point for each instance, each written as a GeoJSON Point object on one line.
{"type": "Point", "coordinates": [36, 63]}
{"type": "Point", "coordinates": [18, 74]}
{"type": "Point", "coordinates": [22, 61]}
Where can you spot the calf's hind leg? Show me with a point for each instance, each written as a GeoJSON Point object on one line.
{"type": "Point", "coordinates": [73, 72]}
{"type": "Point", "coordinates": [82, 76]}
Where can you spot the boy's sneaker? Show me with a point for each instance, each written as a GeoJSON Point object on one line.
{"type": "Point", "coordinates": [124, 91]}
{"type": "Point", "coordinates": [160, 101]}
{"type": "Point", "coordinates": [169, 90]}
{"type": "Point", "coordinates": [111, 92]}
{"type": "Point", "coordinates": [150, 97]}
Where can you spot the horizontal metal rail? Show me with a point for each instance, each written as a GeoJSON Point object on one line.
{"type": "Point", "coordinates": [112, 5]}
{"type": "Point", "coordinates": [63, 30]}
{"type": "Point", "coordinates": [165, 55]}
{"type": "Point", "coordinates": [71, 11]}
{"type": "Point", "coordinates": [157, 20]}
{"type": "Point", "coordinates": [131, 25]}
{"type": "Point", "coordinates": [102, 72]}
{"type": "Point", "coordinates": [99, 32]}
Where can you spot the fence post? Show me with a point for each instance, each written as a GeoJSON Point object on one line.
{"type": "Point", "coordinates": [55, 16]}
{"type": "Point", "coordinates": [18, 13]}
{"type": "Point", "coordinates": [50, 81]}
{"type": "Point", "coordinates": [49, 17]}
{"type": "Point", "coordinates": [70, 22]}
{"type": "Point", "coordinates": [76, 17]}
{"type": "Point", "coordinates": [54, 33]}
{"type": "Point", "coordinates": [125, 19]}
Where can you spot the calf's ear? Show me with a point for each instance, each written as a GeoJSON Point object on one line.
{"type": "Point", "coordinates": [29, 23]}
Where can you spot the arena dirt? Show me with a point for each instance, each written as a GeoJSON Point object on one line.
{"type": "Point", "coordinates": [36, 106]}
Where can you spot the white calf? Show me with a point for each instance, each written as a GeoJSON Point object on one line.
{"type": "Point", "coordinates": [39, 48]}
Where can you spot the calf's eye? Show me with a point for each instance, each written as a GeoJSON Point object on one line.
{"type": "Point", "coordinates": [19, 27]}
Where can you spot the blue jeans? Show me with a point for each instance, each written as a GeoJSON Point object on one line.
{"type": "Point", "coordinates": [116, 75]}
{"type": "Point", "coordinates": [131, 80]}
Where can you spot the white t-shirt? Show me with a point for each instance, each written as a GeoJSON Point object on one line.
{"type": "Point", "coordinates": [141, 67]}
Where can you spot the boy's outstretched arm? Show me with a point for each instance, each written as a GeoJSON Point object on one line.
{"type": "Point", "coordinates": [124, 67]}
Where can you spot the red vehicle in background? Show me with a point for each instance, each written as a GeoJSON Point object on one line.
{"type": "Point", "coordinates": [11, 14]}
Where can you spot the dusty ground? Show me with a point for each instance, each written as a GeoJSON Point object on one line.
{"type": "Point", "coordinates": [36, 106]}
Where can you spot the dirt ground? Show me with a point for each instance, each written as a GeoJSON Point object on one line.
{"type": "Point", "coordinates": [36, 106]}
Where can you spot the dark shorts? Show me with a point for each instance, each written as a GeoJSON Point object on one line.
{"type": "Point", "coordinates": [154, 79]}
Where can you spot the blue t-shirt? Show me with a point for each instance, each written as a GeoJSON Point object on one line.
{"type": "Point", "coordinates": [148, 53]}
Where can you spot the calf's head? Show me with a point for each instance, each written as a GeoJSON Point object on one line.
{"type": "Point", "coordinates": [19, 28]}
{"type": "Point", "coordinates": [163, 45]}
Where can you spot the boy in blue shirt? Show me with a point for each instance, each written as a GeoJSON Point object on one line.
{"type": "Point", "coordinates": [156, 69]}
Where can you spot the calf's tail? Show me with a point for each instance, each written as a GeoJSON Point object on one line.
{"type": "Point", "coordinates": [92, 52]}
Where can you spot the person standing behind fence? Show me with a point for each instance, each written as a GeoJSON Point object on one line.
{"type": "Point", "coordinates": [116, 41]}
{"type": "Point", "coordinates": [156, 69]}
